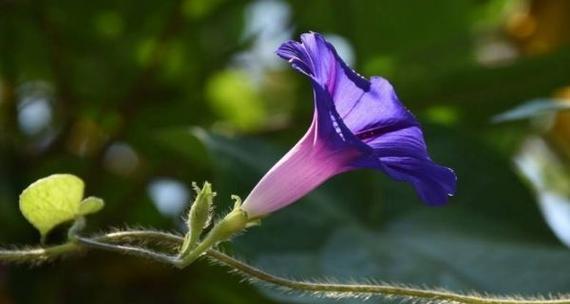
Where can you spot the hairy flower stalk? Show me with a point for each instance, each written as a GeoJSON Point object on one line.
{"type": "Point", "coordinates": [357, 123]}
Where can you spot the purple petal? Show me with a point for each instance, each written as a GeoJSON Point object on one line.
{"type": "Point", "coordinates": [354, 113]}
{"type": "Point", "coordinates": [363, 105]}
{"type": "Point", "coordinates": [433, 183]}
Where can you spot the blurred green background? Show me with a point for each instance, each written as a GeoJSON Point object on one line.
{"type": "Point", "coordinates": [139, 98]}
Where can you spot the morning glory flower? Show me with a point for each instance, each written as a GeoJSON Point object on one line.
{"type": "Point", "coordinates": [357, 123]}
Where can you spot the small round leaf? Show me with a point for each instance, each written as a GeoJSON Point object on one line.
{"type": "Point", "coordinates": [91, 205]}
{"type": "Point", "coordinates": [51, 201]}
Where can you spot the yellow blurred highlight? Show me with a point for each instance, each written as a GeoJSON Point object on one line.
{"type": "Point", "coordinates": [235, 100]}
{"type": "Point", "coordinates": [443, 115]}
{"type": "Point", "coordinates": [521, 25]}
{"type": "Point", "coordinates": [560, 131]}
{"type": "Point", "coordinates": [541, 27]}
{"type": "Point", "coordinates": [86, 138]}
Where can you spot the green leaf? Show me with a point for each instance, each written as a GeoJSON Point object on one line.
{"type": "Point", "coordinates": [445, 259]}
{"type": "Point", "coordinates": [532, 109]}
{"type": "Point", "coordinates": [51, 201]}
{"type": "Point", "coordinates": [448, 259]}
{"type": "Point", "coordinates": [91, 205]}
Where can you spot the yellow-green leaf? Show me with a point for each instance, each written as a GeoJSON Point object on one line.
{"type": "Point", "coordinates": [51, 201]}
{"type": "Point", "coordinates": [91, 205]}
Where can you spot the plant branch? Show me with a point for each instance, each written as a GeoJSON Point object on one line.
{"type": "Point", "coordinates": [130, 250]}
{"type": "Point", "coordinates": [39, 254]}
{"type": "Point", "coordinates": [106, 242]}
{"type": "Point", "coordinates": [368, 290]}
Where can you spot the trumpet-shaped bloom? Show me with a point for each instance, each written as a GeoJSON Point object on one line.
{"type": "Point", "coordinates": [357, 123]}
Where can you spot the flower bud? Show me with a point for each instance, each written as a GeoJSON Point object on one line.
{"type": "Point", "coordinates": [199, 216]}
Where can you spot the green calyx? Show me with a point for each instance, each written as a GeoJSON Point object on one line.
{"type": "Point", "coordinates": [233, 223]}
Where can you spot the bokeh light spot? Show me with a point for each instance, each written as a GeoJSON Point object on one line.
{"type": "Point", "coordinates": [35, 113]}
{"type": "Point", "coordinates": [169, 196]}
{"type": "Point", "coordinates": [120, 158]}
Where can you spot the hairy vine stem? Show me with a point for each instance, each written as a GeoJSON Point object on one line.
{"type": "Point", "coordinates": [109, 242]}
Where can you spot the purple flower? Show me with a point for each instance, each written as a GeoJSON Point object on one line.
{"type": "Point", "coordinates": [357, 123]}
